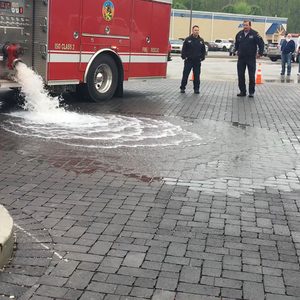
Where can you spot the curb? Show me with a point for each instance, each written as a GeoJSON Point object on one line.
{"type": "Point", "coordinates": [6, 236]}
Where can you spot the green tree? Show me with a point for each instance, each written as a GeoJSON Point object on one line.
{"type": "Point", "coordinates": [242, 8]}
{"type": "Point", "coordinates": [255, 10]}
{"type": "Point", "coordinates": [229, 8]}
{"type": "Point", "coordinates": [177, 4]}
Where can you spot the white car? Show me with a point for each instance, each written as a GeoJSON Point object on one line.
{"type": "Point", "coordinates": [176, 46]}
{"type": "Point", "coordinates": [223, 45]}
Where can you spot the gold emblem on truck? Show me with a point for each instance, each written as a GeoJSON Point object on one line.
{"type": "Point", "coordinates": [108, 10]}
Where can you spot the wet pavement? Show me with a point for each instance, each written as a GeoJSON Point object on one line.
{"type": "Point", "coordinates": [203, 204]}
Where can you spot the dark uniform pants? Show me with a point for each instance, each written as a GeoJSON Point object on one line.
{"type": "Point", "coordinates": [250, 63]}
{"type": "Point", "coordinates": [188, 66]}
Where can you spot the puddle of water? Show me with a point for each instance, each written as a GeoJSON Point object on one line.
{"type": "Point", "coordinates": [107, 131]}
{"type": "Point", "coordinates": [44, 118]}
{"type": "Point", "coordinates": [283, 80]}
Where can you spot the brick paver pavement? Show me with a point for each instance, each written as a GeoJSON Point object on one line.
{"type": "Point", "coordinates": [216, 218]}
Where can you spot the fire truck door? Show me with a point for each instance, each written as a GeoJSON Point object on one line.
{"type": "Point", "coordinates": [105, 24]}
{"type": "Point", "coordinates": [140, 37]}
{"type": "Point", "coordinates": [160, 29]}
{"type": "Point", "coordinates": [64, 40]}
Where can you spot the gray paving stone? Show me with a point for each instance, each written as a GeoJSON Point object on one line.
{"type": "Point", "coordinates": [79, 279]}
{"type": "Point", "coordinates": [253, 291]}
{"type": "Point", "coordinates": [291, 278]}
{"type": "Point", "coordinates": [229, 283]}
{"type": "Point", "coordinates": [65, 269]}
{"type": "Point", "coordinates": [91, 296]}
{"type": "Point", "coordinates": [123, 290]}
{"type": "Point", "coordinates": [163, 295]}
{"type": "Point", "coordinates": [102, 287]}
{"type": "Point", "coordinates": [141, 292]}
{"type": "Point", "coordinates": [176, 249]}
{"type": "Point", "coordinates": [281, 230]}
{"type": "Point", "coordinates": [198, 289]}
{"type": "Point", "coordinates": [165, 283]}
{"type": "Point", "coordinates": [134, 259]}
{"type": "Point", "coordinates": [72, 294]}
{"type": "Point", "coordinates": [51, 291]}
{"type": "Point", "coordinates": [231, 293]}
{"type": "Point", "coordinates": [242, 276]}
{"type": "Point", "coordinates": [280, 297]}
{"type": "Point", "coordinates": [190, 274]}
{"type": "Point", "coordinates": [100, 248]}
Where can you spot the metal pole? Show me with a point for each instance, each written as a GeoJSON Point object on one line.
{"type": "Point", "coordinates": [191, 17]}
{"type": "Point", "coordinates": [172, 28]}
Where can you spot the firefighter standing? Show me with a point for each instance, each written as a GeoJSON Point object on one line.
{"type": "Point", "coordinates": [246, 43]}
{"type": "Point", "coordinates": [193, 52]}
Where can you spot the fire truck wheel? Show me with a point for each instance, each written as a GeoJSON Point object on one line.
{"type": "Point", "coordinates": [102, 78]}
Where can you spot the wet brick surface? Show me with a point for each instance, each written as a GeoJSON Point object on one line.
{"type": "Point", "coordinates": [217, 219]}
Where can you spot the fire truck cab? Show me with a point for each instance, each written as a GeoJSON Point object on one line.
{"type": "Point", "coordinates": [92, 44]}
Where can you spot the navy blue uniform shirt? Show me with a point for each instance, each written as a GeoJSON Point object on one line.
{"type": "Point", "coordinates": [193, 48]}
{"type": "Point", "coordinates": [246, 45]}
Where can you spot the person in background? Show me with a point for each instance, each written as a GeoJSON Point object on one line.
{"type": "Point", "coordinates": [193, 53]}
{"type": "Point", "coordinates": [287, 49]}
{"type": "Point", "coordinates": [246, 43]}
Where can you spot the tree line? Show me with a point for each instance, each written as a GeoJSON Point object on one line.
{"type": "Point", "coordinates": [280, 8]}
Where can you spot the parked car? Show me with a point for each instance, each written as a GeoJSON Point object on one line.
{"type": "Point", "coordinates": [232, 50]}
{"type": "Point", "coordinates": [176, 46]}
{"type": "Point", "coordinates": [223, 45]}
{"type": "Point", "coordinates": [265, 53]}
{"type": "Point", "coordinates": [296, 57]}
{"type": "Point", "coordinates": [274, 52]}
{"type": "Point", "coordinates": [212, 46]}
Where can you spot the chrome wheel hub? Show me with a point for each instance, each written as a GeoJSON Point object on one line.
{"type": "Point", "coordinates": [103, 78]}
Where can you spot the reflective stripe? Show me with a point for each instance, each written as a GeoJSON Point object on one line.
{"type": "Point", "coordinates": [163, 1]}
{"type": "Point", "coordinates": [76, 57]}
{"type": "Point", "coordinates": [147, 59]}
{"type": "Point", "coordinates": [63, 58]}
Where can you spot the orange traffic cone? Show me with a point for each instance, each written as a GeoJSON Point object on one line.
{"type": "Point", "coordinates": [192, 78]}
{"type": "Point", "coordinates": [259, 79]}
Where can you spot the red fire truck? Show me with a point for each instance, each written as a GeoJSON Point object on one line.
{"type": "Point", "coordinates": [91, 44]}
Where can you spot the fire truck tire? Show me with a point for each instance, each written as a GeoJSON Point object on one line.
{"type": "Point", "coordinates": [102, 78]}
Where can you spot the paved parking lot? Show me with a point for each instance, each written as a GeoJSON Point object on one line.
{"type": "Point", "coordinates": [207, 210]}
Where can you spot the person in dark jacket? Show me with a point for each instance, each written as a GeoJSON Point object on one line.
{"type": "Point", "coordinates": [287, 49]}
{"type": "Point", "coordinates": [246, 43]}
{"type": "Point", "coordinates": [193, 52]}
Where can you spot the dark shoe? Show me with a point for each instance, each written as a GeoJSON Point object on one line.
{"type": "Point", "coordinates": [241, 94]}
{"type": "Point", "coordinates": [251, 95]}
{"type": "Point", "coordinates": [182, 91]}
{"type": "Point", "coordinates": [196, 91]}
